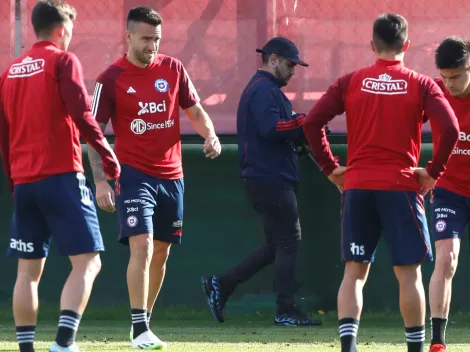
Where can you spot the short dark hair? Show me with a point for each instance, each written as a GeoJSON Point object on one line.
{"type": "Point", "coordinates": [453, 52]}
{"type": "Point", "coordinates": [390, 32]}
{"type": "Point", "coordinates": [50, 14]}
{"type": "Point", "coordinates": [144, 14]}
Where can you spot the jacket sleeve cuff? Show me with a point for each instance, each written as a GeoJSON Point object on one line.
{"type": "Point", "coordinates": [433, 171]}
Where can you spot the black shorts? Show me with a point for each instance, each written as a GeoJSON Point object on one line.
{"type": "Point", "coordinates": [398, 216]}
{"type": "Point", "coordinates": [59, 207]}
{"type": "Point", "coordinates": [149, 205]}
{"type": "Point", "coordinates": [450, 214]}
{"type": "Point", "coordinates": [276, 204]}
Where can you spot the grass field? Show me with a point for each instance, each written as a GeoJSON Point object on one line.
{"type": "Point", "coordinates": [197, 332]}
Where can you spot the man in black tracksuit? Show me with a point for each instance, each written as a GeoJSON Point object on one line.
{"type": "Point", "coordinates": [268, 132]}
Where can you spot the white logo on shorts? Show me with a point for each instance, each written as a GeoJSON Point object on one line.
{"type": "Point", "coordinates": [84, 190]}
{"type": "Point", "coordinates": [21, 246]}
{"type": "Point", "coordinates": [357, 249]}
{"type": "Point", "coordinates": [441, 226]}
{"type": "Point", "coordinates": [178, 223]}
{"type": "Point", "coordinates": [132, 221]}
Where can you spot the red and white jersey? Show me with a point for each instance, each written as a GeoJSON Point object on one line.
{"type": "Point", "coordinates": [456, 177]}
{"type": "Point", "coordinates": [384, 106]}
{"type": "Point", "coordinates": [44, 107]}
{"type": "Point", "coordinates": [143, 105]}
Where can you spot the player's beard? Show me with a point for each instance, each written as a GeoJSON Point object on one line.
{"type": "Point", "coordinates": [280, 76]}
{"type": "Point", "coordinates": [143, 58]}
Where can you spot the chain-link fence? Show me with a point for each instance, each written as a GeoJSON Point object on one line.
{"type": "Point", "coordinates": [216, 40]}
{"type": "Point", "coordinates": [7, 30]}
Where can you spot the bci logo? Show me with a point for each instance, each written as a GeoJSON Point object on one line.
{"type": "Point", "coordinates": [151, 108]}
{"type": "Point", "coordinates": [464, 137]}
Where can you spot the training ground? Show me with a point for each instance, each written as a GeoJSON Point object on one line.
{"type": "Point", "coordinates": [196, 331]}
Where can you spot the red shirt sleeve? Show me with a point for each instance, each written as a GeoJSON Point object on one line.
{"type": "Point", "coordinates": [441, 115]}
{"type": "Point", "coordinates": [330, 105]}
{"type": "Point", "coordinates": [104, 102]}
{"type": "Point", "coordinates": [75, 97]}
{"type": "Point", "coordinates": [187, 92]}
{"type": "Point", "coordinates": [5, 142]}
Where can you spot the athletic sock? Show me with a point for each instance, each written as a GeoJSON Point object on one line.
{"type": "Point", "coordinates": [139, 321]}
{"type": "Point", "coordinates": [25, 337]}
{"type": "Point", "coordinates": [348, 328]}
{"type": "Point", "coordinates": [68, 326]}
{"type": "Point", "coordinates": [415, 338]}
{"type": "Point", "coordinates": [438, 331]}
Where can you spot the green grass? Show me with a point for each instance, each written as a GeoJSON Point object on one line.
{"type": "Point", "coordinates": [188, 330]}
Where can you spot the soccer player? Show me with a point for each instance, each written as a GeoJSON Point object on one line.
{"type": "Point", "coordinates": [450, 201]}
{"type": "Point", "coordinates": [141, 94]}
{"type": "Point", "coordinates": [267, 132]}
{"type": "Point", "coordinates": [383, 185]}
{"type": "Point", "coordinates": [44, 107]}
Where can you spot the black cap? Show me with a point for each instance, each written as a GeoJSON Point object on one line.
{"type": "Point", "coordinates": [282, 47]}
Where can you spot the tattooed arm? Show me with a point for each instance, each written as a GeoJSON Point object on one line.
{"type": "Point", "coordinates": [105, 197]}
{"type": "Point", "coordinates": [95, 161]}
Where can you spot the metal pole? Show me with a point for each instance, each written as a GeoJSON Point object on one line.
{"type": "Point", "coordinates": [18, 34]}
{"type": "Point", "coordinates": [274, 15]}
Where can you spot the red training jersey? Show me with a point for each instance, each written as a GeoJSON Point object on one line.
{"type": "Point", "coordinates": [44, 106]}
{"type": "Point", "coordinates": [456, 178]}
{"type": "Point", "coordinates": [384, 106]}
{"type": "Point", "coordinates": [143, 105]}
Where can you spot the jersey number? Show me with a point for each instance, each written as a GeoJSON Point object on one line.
{"type": "Point", "coordinates": [84, 190]}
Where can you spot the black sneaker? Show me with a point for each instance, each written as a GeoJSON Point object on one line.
{"type": "Point", "coordinates": [293, 316]}
{"type": "Point", "coordinates": [215, 297]}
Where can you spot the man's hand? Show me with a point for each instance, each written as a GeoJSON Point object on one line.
{"type": "Point", "coordinates": [337, 177]}
{"type": "Point", "coordinates": [105, 196]}
{"type": "Point", "coordinates": [426, 181]}
{"type": "Point", "coordinates": [212, 147]}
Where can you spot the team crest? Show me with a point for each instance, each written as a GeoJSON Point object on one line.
{"type": "Point", "coordinates": [161, 85]}
{"type": "Point", "coordinates": [132, 221]}
{"type": "Point", "coordinates": [441, 226]}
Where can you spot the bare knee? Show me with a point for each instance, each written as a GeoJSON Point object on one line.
{"type": "Point", "coordinates": [447, 265]}
{"type": "Point", "coordinates": [88, 264]}
{"type": "Point", "coordinates": [141, 247]}
{"type": "Point", "coordinates": [408, 275]}
{"type": "Point", "coordinates": [161, 252]}
{"type": "Point", "coordinates": [447, 257]}
{"type": "Point", "coordinates": [357, 272]}
{"type": "Point", "coordinates": [30, 269]}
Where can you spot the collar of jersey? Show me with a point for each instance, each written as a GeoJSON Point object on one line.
{"type": "Point", "coordinates": [382, 62]}
{"type": "Point", "coordinates": [271, 77]}
{"type": "Point", "coordinates": [128, 65]}
{"type": "Point", "coordinates": [44, 43]}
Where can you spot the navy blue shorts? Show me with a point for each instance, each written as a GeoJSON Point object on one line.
{"type": "Point", "coordinates": [398, 215]}
{"type": "Point", "coordinates": [61, 207]}
{"type": "Point", "coordinates": [149, 205]}
{"type": "Point", "coordinates": [450, 214]}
